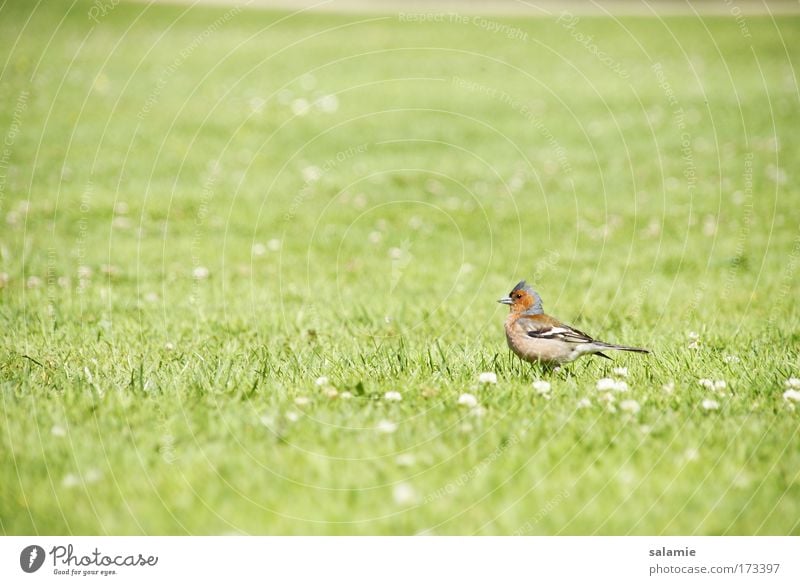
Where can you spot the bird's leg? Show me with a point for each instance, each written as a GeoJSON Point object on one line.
{"type": "Point", "coordinates": [545, 368]}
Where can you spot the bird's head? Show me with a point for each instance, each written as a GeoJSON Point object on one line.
{"type": "Point", "coordinates": [523, 299]}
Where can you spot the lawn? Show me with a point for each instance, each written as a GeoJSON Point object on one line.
{"type": "Point", "coordinates": [227, 234]}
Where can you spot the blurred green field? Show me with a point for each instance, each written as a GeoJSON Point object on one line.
{"type": "Point", "coordinates": [204, 210]}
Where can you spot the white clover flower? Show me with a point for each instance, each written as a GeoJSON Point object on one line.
{"type": "Point", "coordinates": [405, 460]}
{"type": "Point", "coordinates": [274, 245]}
{"type": "Point", "coordinates": [691, 454]}
{"type": "Point", "coordinates": [70, 480]}
{"type": "Point", "coordinates": [346, 395]}
{"type": "Point", "coordinates": [792, 395]}
{"type": "Point", "coordinates": [328, 103]}
{"type": "Point", "coordinates": [584, 403]}
{"type": "Point", "coordinates": [312, 174]}
{"type": "Point", "coordinates": [92, 475]}
{"type": "Point", "coordinates": [468, 400]}
{"type": "Point", "coordinates": [793, 383]}
{"type": "Point", "coordinates": [607, 397]}
{"type": "Point", "coordinates": [386, 426]}
{"type": "Point", "coordinates": [731, 359]}
{"type": "Point", "coordinates": [292, 416]}
{"type": "Point", "coordinates": [302, 401]}
{"type": "Point", "coordinates": [541, 386]}
{"type": "Point", "coordinates": [59, 431]}
{"type": "Point", "coordinates": [169, 346]}
{"type": "Point", "coordinates": [121, 223]}
{"type": "Point", "coordinates": [669, 387]}
{"type": "Point", "coordinates": [715, 385]}
{"type": "Point", "coordinates": [392, 396]}
{"type": "Point", "coordinates": [259, 249]}
{"type": "Point", "coordinates": [331, 392]}
{"type": "Point", "coordinates": [33, 282]}
{"type": "Point", "coordinates": [478, 412]}
{"type": "Point", "coordinates": [300, 107]}
{"type": "Point", "coordinates": [630, 406]}
{"type": "Point", "coordinates": [256, 104]}
{"type": "Point", "coordinates": [487, 378]}
{"type": "Point", "coordinates": [694, 340]}
{"type": "Point", "coordinates": [604, 384]}
{"type": "Point", "coordinates": [621, 386]}
{"type": "Point", "coordinates": [622, 372]}
{"type": "Point", "coordinates": [403, 494]}
{"type": "Point", "coordinates": [321, 381]}
{"type": "Point", "coordinates": [201, 273]}
{"type": "Point", "coordinates": [709, 404]}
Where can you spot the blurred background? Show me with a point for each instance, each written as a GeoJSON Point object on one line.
{"type": "Point", "coordinates": [207, 208]}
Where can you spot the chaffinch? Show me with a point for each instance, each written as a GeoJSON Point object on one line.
{"type": "Point", "coordinates": [537, 337]}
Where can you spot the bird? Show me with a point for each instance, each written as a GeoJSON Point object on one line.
{"type": "Point", "coordinates": [539, 338]}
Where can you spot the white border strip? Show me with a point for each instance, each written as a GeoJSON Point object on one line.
{"type": "Point", "coordinates": [401, 560]}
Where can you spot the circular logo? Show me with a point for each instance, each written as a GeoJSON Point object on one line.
{"type": "Point", "coordinates": [31, 558]}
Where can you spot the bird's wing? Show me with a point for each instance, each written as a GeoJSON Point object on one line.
{"type": "Point", "coordinates": [549, 328]}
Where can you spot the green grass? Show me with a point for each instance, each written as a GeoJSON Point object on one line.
{"type": "Point", "coordinates": [141, 400]}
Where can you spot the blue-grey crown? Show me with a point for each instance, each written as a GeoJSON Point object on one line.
{"type": "Point", "coordinates": [536, 308]}
{"type": "Point", "coordinates": [522, 285]}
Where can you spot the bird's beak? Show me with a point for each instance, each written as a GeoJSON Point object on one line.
{"type": "Point", "coordinates": [506, 301]}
